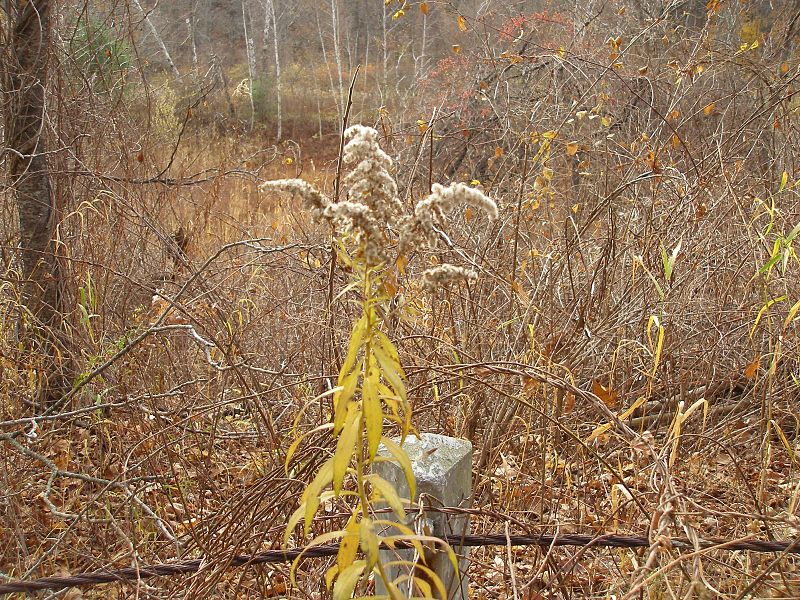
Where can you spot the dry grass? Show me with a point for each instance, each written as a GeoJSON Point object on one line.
{"type": "Point", "coordinates": [175, 448]}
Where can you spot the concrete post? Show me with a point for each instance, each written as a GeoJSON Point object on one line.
{"type": "Point", "coordinates": [443, 470]}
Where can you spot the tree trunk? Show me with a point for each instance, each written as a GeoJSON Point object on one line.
{"type": "Point", "coordinates": [26, 80]}
{"type": "Point", "coordinates": [251, 61]}
{"type": "Point", "coordinates": [278, 84]}
{"type": "Point", "coordinates": [159, 41]}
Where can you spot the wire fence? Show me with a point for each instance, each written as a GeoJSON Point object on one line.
{"type": "Point", "coordinates": [282, 556]}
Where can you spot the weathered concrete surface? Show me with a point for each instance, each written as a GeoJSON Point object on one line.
{"type": "Point", "coordinates": [443, 470]}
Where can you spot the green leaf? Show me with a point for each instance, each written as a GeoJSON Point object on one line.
{"type": "Point", "coordinates": [793, 234]}
{"type": "Point", "coordinates": [769, 264]}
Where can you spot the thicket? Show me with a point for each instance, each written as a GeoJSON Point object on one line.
{"type": "Point", "coordinates": [644, 160]}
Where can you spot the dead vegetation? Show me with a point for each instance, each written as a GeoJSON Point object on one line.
{"type": "Point", "coordinates": [644, 262]}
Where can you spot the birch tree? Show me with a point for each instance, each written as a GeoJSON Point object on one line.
{"type": "Point", "coordinates": [251, 59]}
{"type": "Point", "coordinates": [270, 17]}
{"type": "Point", "coordinates": [154, 32]}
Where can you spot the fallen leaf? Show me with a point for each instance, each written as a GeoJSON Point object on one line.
{"type": "Point", "coordinates": [572, 148]}
{"type": "Point", "coordinates": [606, 394]}
{"type": "Point", "coordinates": [751, 369]}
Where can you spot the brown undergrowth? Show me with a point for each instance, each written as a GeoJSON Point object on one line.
{"type": "Point", "coordinates": [643, 263]}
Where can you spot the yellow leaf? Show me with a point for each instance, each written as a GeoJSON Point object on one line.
{"type": "Point", "coordinates": [342, 397]}
{"type": "Point", "coordinates": [422, 125]}
{"type": "Point", "coordinates": [575, 207]}
{"type": "Point", "coordinates": [462, 23]}
{"type": "Point", "coordinates": [402, 263]}
{"type": "Point", "coordinates": [387, 492]}
{"type": "Point", "coordinates": [767, 305]}
{"type": "Point", "coordinates": [348, 546]}
{"type": "Point", "coordinates": [359, 330]}
{"type": "Point", "coordinates": [550, 135]}
{"type": "Point", "coordinates": [468, 213]}
{"type": "Point", "coordinates": [792, 314]}
{"type": "Point", "coordinates": [423, 7]}
{"type": "Point", "coordinates": [498, 152]}
{"type": "Point", "coordinates": [784, 180]}
{"type": "Point", "coordinates": [402, 459]}
{"type": "Point", "coordinates": [373, 415]}
{"type": "Point", "coordinates": [751, 369]}
{"type": "Point", "coordinates": [289, 161]}
{"type": "Point", "coordinates": [312, 495]}
{"type": "Point", "coordinates": [708, 109]}
{"type": "Point", "coordinates": [572, 148]}
{"type": "Point", "coordinates": [784, 68]}
{"type": "Point", "coordinates": [347, 580]}
{"type": "Point", "coordinates": [330, 575]}
{"type": "Point", "coordinates": [390, 350]}
{"type": "Point", "coordinates": [292, 523]}
{"type": "Point", "coordinates": [296, 443]}
{"type": "Point", "coordinates": [605, 121]}
{"type": "Point", "coordinates": [345, 445]}
{"type": "Point", "coordinates": [369, 541]}
{"type": "Point", "coordinates": [456, 48]}
{"type": "Point", "coordinates": [391, 372]}
{"type": "Point", "coordinates": [606, 394]}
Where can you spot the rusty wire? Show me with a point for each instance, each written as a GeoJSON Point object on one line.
{"type": "Point", "coordinates": [280, 556]}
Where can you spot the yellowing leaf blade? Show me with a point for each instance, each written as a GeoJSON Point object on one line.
{"type": "Point", "coordinates": [348, 548]}
{"type": "Point", "coordinates": [387, 492]}
{"type": "Point", "coordinates": [312, 495]}
{"type": "Point", "coordinates": [402, 459]}
{"type": "Point", "coordinates": [373, 415]}
{"type": "Point", "coordinates": [347, 580]}
{"type": "Point", "coordinates": [345, 446]}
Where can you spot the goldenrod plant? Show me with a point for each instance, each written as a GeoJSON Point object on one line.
{"type": "Point", "coordinates": [370, 395]}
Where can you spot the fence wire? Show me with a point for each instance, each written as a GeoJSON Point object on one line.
{"type": "Point", "coordinates": [281, 556]}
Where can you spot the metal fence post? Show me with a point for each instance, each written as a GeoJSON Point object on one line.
{"type": "Point", "coordinates": [443, 470]}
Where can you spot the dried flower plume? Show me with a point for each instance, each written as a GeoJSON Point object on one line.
{"type": "Point", "coordinates": [373, 206]}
